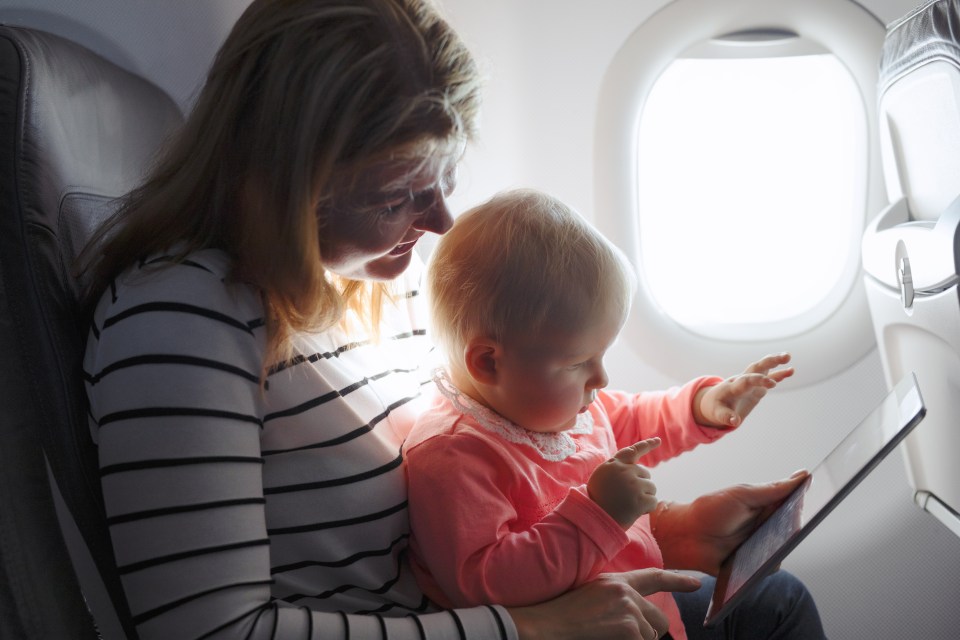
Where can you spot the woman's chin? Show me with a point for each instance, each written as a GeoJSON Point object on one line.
{"type": "Point", "coordinates": [387, 267]}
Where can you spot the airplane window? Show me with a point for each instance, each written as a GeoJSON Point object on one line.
{"type": "Point", "coordinates": [736, 165]}
{"type": "Point", "coordinates": [743, 163]}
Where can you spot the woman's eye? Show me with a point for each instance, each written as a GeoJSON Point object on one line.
{"type": "Point", "coordinates": [395, 209]}
{"type": "Point", "coordinates": [423, 201]}
{"type": "Point", "coordinates": [416, 204]}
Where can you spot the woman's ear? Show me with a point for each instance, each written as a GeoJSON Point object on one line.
{"type": "Point", "coordinates": [482, 358]}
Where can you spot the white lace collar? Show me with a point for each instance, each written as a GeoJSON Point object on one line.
{"type": "Point", "coordinates": [551, 446]}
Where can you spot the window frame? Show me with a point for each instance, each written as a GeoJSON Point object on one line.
{"type": "Point", "coordinates": [845, 29]}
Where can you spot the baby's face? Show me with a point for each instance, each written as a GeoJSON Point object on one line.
{"type": "Point", "coordinates": [548, 377]}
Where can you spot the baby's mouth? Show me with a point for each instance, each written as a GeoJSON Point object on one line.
{"type": "Point", "coordinates": [593, 396]}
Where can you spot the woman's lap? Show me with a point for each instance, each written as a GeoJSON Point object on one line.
{"type": "Point", "coordinates": [780, 608]}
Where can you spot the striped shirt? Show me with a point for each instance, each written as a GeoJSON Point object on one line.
{"type": "Point", "coordinates": [246, 512]}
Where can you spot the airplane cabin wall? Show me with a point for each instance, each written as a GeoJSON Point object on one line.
{"type": "Point", "coordinates": [879, 567]}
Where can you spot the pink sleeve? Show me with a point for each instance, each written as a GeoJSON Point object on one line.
{"type": "Point", "coordinates": [464, 548]}
{"type": "Point", "coordinates": [666, 414]}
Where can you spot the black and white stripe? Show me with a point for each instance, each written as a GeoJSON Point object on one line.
{"type": "Point", "coordinates": [257, 512]}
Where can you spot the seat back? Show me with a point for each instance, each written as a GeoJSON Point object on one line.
{"type": "Point", "coordinates": [911, 251]}
{"type": "Point", "coordinates": [919, 108]}
{"type": "Point", "coordinates": [76, 132]}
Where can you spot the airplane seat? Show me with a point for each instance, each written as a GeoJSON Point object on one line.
{"type": "Point", "coordinates": [76, 132]}
{"type": "Point", "coordinates": [911, 250]}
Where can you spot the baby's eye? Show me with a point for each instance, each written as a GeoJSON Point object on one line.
{"type": "Point", "coordinates": [578, 365]}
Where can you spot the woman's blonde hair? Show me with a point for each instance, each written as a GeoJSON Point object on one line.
{"type": "Point", "coordinates": [519, 263]}
{"type": "Point", "coordinates": [301, 99]}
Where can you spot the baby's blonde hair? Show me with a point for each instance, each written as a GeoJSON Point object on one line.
{"type": "Point", "coordinates": [519, 263]}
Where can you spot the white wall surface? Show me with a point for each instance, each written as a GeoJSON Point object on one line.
{"type": "Point", "coordinates": [879, 567]}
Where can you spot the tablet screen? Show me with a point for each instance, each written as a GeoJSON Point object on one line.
{"type": "Point", "coordinates": [829, 482]}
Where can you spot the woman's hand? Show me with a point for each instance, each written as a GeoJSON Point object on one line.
{"type": "Point", "coordinates": [612, 606]}
{"type": "Point", "coordinates": [622, 487]}
{"type": "Point", "coordinates": [727, 404]}
{"type": "Point", "coordinates": [701, 534]}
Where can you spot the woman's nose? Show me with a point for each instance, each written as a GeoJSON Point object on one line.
{"type": "Point", "coordinates": [437, 219]}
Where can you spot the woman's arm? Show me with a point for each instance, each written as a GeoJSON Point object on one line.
{"type": "Point", "coordinates": [611, 607]}
{"type": "Point", "coordinates": [173, 382]}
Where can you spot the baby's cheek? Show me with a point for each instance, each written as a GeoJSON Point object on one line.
{"type": "Point", "coordinates": [567, 416]}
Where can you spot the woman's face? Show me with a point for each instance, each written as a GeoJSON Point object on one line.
{"type": "Point", "coordinates": [372, 235]}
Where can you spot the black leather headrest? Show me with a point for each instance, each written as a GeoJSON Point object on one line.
{"type": "Point", "coordinates": [85, 129]}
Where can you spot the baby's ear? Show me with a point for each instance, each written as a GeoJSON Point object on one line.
{"type": "Point", "coordinates": [482, 358]}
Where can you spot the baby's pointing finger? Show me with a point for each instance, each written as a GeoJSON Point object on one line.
{"type": "Point", "coordinates": [633, 453]}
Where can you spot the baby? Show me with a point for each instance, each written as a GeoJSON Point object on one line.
{"type": "Point", "coordinates": [524, 476]}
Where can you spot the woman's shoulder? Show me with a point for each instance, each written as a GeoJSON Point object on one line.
{"type": "Point", "coordinates": [200, 279]}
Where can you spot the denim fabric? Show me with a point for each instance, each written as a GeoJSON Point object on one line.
{"type": "Point", "coordinates": [780, 608]}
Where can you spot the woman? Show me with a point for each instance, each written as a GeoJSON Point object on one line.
{"type": "Point", "coordinates": [253, 327]}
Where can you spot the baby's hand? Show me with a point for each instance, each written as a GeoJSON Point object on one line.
{"type": "Point", "coordinates": [728, 403]}
{"type": "Point", "coordinates": [622, 487]}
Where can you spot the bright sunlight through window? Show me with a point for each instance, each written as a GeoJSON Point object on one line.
{"type": "Point", "coordinates": [750, 181]}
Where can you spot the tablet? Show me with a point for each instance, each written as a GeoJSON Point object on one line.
{"type": "Point", "coordinates": [829, 483]}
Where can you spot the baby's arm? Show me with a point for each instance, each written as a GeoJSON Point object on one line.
{"type": "Point", "coordinates": [727, 404]}
{"type": "Point", "coordinates": [476, 537]}
{"type": "Point", "coordinates": [686, 416]}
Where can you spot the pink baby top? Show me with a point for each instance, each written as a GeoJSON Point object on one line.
{"type": "Point", "coordinates": [501, 515]}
